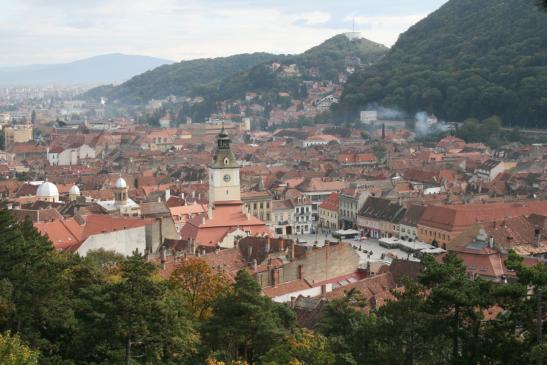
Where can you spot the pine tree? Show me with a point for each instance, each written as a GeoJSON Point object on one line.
{"type": "Point", "coordinates": [457, 305]}
{"type": "Point", "coordinates": [245, 325]}
{"type": "Point", "coordinates": [39, 311]}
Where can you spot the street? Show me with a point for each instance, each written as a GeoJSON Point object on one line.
{"type": "Point", "coordinates": [367, 249]}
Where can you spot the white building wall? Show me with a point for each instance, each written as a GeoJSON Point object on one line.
{"type": "Point", "coordinates": [124, 242]}
{"type": "Point", "coordinates": [53, 158]}
{"type": "Point", "coordinates": [86, 151]}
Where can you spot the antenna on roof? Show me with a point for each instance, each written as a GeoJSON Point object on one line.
{"type": "Point", "coordinates": [353, 24]}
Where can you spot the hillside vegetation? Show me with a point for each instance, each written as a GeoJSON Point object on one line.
{"type": "Point", "coordinates": [178, 79]}
{"type": "Point", "coordinates": [327, 60]}
{"type": "Point", "coordinates": [231, 77]}
{"type": "Point", "coordinates": [470, 58]}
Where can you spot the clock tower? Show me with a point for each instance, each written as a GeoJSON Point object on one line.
{"type": "Point", "coordinates": [223, 173]}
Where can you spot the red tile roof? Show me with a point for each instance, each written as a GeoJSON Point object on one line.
{"type": "Point", "coordinates": [460, 217]}
{"type": "Point", "coordinates": [70, 234]}
{"type": "Point", "coordinates": [331, 203]}
{"type": "Point", "coordinates": [226, 218]}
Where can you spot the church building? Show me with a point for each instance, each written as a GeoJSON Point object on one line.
{"type": "Point", "coordinates": [226, 219]}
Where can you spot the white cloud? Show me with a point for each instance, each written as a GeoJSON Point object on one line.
{"type": "Point", "coordinates": [314, 18]}
{"type": "Point", "coordinates": [31, 31]}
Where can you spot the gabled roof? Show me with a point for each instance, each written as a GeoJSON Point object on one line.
{"type": "Point", "coordinates": [460, 217]}
{"type": "Point", "coordinates": [331, 203]}
{"type": "Point", "coordinates": [227, 217]}
{"type": "Point", "coordinates": [489, 164]}
{"type": "Point", "coordinates": [412, 215]}
{"type": "Point", "coordinates": [376, 290]}
{"type": "Point", "coordinates": [70, 234]}
{"type": "Point", "coordinates": [382, 209]}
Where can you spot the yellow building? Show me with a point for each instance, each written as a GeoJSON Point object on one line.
{"type": "Point", "coordinates": [328, 212]}
{"type": "Point", "coordinates": [17, 134]}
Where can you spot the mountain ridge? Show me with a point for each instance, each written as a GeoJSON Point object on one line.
{"type": "Point", "coordinates": [177, 79]}
{"type": "Point", "coordinates": [105, 68]}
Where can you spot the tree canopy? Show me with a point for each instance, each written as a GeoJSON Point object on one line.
{"type": "Point", "coordinates": [59, 308]}
{"type": "Point", "coordinates": [468, 59]}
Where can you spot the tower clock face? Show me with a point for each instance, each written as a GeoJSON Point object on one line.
{"type": "Point", "coordinates": [227, 178]}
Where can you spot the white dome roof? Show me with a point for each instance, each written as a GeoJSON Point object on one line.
{"type": "Point", "coordinates": [120, 183]}
{"type": "Point", "coordinates": [47, 189]}
{"type": "Point", "coordinates": [74, 190]}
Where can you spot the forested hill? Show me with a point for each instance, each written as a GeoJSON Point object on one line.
{"type": "Point", "coordinates": [323, 62]}
{"type": "Point", "coordinates": [178, 78]}
{"type": "Point", "coordinates": [470, 58]}
{"type": "Point", "coordinates": [231, 77]}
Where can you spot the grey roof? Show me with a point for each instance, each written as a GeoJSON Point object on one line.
{"type": "Point", "coordinates": [489, 164]}
{"type": "Point", "coordinates": [412, 215]}
{"type": "Point", "coordinates": [382, 209]}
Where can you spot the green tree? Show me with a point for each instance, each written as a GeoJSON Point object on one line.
{"type": "Point", "coordinates": [135, 299]}
{"type": "Point", "coordinates": [402, 336]}
{"type": "Point", "coordinates": [457, 305]}
{"type": "Point", "coordinates": [348, 329]}
{"type": "Point", "coordinates": [379, 151]}
{"type": "Point", "coordinates": [244, 324]}
{"type": "Point", "coordinates": [38, 309]}
{"type": "Point", "coordinates": [536, 277]}
{"type": "Point", "coordinates": [14, 352]}
{"type": "Point", "coordinates": [303, 347]}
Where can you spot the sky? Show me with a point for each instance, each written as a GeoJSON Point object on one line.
{"type": "Point", "coordinates": [55, 31]}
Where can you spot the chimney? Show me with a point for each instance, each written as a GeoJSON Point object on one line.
{"type": "Point", "coordinates": [249, 251]}
{"type": "Point", "coordinates": [275, 277]}
{"type": "Point", "coordinates": [162, 254]}
{"type": "Point", "coordinates": [323, 290]}
{"type": "Point", "coordinates": [268, 245]}
{"type": "Point", "coordinates": [182, 195]}
{"type": "Point", "coordinates": [255, 265]}
{"type": "Point", "coordinates": [191, 246]}
{"type": "Point", "coordinates": [293, 302]}
{"type": "Point", "coordinates": [210, 211]}
{"type": "Point", "coordinates": [291, 252]}
{"type": "Point", "coordinates": [281, 245]}
{"type": "Point", "coordinates": [300, 272]}
{"type": "Point", "coordinates": [491, 242]}
{"type": "Point", "coordinates": [537, 237]}
{"type": "Point", "coordinates": [510, 242]}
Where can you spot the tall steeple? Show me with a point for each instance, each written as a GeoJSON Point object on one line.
{"type": "Point", "coordinates": [223, 156]}
{"type": "Point", "coordinates": [224, 182]}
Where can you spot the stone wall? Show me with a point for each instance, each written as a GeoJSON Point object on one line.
{"type": "Point", "coordinates": [319, 264]}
